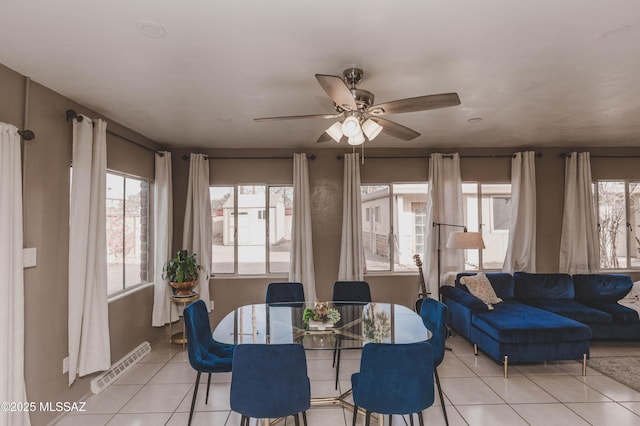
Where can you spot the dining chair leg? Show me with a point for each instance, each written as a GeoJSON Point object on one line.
{"type": "Point", "coordinates": [206, 400]}
{"type": "Point", "coordinates": [411, 419]}
{"type": "Point", "coordinates": [297, 419]}
{"type": "Point", "coordinates": [367, 418]}
{"type": "Point", "coordinates": [390, 419]}
{"type": "Point", "coordinates": [444, 409]}
{"type": "Point", "coordinates": [337, 368]}
{"type": "Point", "coordinates": [304, 418]}
{"type": "Point", "coordinates": [193, 400]}
{"type": "Point", "coordinates": [355, 415]}
{"type": "Point", "coordinates": [420, 419]}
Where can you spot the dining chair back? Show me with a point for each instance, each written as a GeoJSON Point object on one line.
{"type": "Point", "coordinates": [351, 291]}
{"type": "Point", "coordinates": [347, 292]}
{"type": "Point", "coordinates": [270, 381]}
{"type": "Point", "coordinates": [434, 316]}
{"type": "Point", "coordinates": [394, 379]}
{"type": "Point", "coordinates": [285, 292]}
{"type": "Point", "coordinates": [205, 354]}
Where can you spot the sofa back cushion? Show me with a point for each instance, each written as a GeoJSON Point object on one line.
{"type": "Point", "coordinates": [601, 288]}
{"type": "Point", "coordinates": [543, 286]}
{"type": "Point", "coordinates": [501, 282]}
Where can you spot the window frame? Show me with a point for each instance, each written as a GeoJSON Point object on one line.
{"type": "Point", "coordinates": [126, 290]}
{"type": "Point", "coordinates": [263, 215]}
{"type": "Point", "coordinates": [629, 232]}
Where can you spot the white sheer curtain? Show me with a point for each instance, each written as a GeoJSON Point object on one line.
{"type": "Point", "coordinates": [89, 345]}
{"type": "Point", "coordinates": [521, 251]}
{"type": "Point", "coordinates": [301, 259]}
{"type": "Point", "coordinates": [162, 233]}
{"type": "Point", "coordinates": [196, 237]}
{"type": "Point", "coordinates": [444, 205]}
{"type": "Point", "coordinates": [12, 386]}
{"type": "Point", "coordinates": [579, 240]}
{"type": "Point", "coordinates": [351, 266]}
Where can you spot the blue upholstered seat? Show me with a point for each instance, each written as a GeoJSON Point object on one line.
{"type": "Point", "coordinates": [205, 354]}
{"type": "Point", "coordinates": [348, 292]}
{"type": "Point", "coordinates": [394, 379]}
{"type": "Point", "coordinates": [434, 316]}
{"type": "Point", "coordinates": [270, 381]}
{"type": "Point", "coordinates": [285, 292]}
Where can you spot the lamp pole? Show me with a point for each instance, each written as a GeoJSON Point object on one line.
{"type": "Point", "coordinates": [439, 225]}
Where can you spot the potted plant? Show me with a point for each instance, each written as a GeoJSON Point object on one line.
{"type": "Point", "coordinates": [182, 272]}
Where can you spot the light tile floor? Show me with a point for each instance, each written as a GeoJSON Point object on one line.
{"type": "Point", "coordinates": [158, 390]}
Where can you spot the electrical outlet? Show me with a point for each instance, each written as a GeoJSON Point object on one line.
{"type": "Point", "coordinates": [65, 365]}
{"type": "Point", "coordinates": [211, 304]}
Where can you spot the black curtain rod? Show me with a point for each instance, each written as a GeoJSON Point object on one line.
{"type": "Point", "coordinates": [310, 157]}
{"type": "Point", "coordinates": [71, 114]}
{"type": "Point", "coordinates": [566, 155]}
{"type": "Point", "coordinates": [27, 135]}
{"type": "Point", "coordinates": [426, 157]}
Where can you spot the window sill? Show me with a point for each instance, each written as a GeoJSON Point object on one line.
{"type": "Point", "coordinates": [282, 276]}
{"type": "Point", "coordinates": [128, 291]}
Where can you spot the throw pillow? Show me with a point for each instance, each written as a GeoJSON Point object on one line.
{"type": "Point", "coordinates": [480, 287]}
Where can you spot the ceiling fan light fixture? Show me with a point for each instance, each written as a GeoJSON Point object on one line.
{"type": "Point", "coordinates": [351, 127]}
{"type": "Point", "coordinates": [371, 129]}
{"type": "Point", "coordinates": [358, 139]}
{"type": "Point", "coordinates": [335, 131]}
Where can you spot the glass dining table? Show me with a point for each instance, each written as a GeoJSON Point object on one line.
{"type": "Point", "coordinates": [359, 324]}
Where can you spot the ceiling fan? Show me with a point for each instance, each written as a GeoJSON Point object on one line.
{"type": "Point", "coordinates": [362, 121]}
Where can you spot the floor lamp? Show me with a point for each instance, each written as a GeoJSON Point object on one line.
{"type": "Point", "coordinates": [457, 240]}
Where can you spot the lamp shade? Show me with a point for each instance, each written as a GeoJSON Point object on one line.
{"type": "Point", "coordinates": [358, 139]}
{"type": "Point", "coordinates": [351, 126]}
{"type": "Point", "coordinates": [371, 129]}
{"type": "Point", "coordinates": [465, 240]}
{"type": "Point", "coordinates": [335, 131]}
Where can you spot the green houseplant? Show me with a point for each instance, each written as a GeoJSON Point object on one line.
{"type": "Point", "coordinates": [182, 272]}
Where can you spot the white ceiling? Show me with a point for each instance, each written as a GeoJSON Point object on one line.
{"type": "Point", "coordinates": [538, 73]}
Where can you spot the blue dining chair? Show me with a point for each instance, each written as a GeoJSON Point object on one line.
{"type": "Point", "coordinates": [394, 379]}
{"type": "Point", "coordinates": [343, 292]}
{"type": "Point", "coordinates": [285, 292]}
{"type": "Point", "coordinates": [205, 354]}
{"type": "Point", "coordinates": [270, 381]}
{"type": "Point", "coordinates": [434, 316]}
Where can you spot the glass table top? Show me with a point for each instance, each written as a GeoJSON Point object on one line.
{"type": "Point", "coordinates": [359, 324]}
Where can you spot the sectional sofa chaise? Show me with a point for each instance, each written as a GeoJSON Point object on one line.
{"type": "Point", "coordinates": [542, 317]}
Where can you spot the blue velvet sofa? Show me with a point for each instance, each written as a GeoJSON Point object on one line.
{"type": "Point", "coordinates": [514, 332]}
{"type": "Point", "coordinates": [588, 298]}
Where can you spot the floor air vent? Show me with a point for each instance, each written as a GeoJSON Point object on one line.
{"type": "Point", "coordinates": [103, 381]}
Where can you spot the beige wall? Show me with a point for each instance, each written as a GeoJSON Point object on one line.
{"type": "Point", "coordinates": [46, 162]}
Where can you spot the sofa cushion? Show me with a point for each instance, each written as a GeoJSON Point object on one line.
{"type": "Point", "coordinates": [480, 287]}
{"type": "Point", "coordinates": [619, 313]}
{"type": "Point", "coordinates": [601, 287]}
{"type": "Point", "coordinates": [543, 286]}
{"type": "Point", "coordinates": [501, 282]}
{"type": "Point", "coordinates": [572, 309]}
{"type": "Point", "coordinates": [513, 322]}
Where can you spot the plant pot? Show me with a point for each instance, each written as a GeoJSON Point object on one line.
{"type": "Point", "coordinates": [184, 288]}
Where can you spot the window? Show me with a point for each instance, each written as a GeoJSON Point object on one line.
{"type": "Point", "coordinates": [493, 210]}
{"type": "Point", "coordinates": [251, 229]}
{"type": "Point", "coordinates": [393, 226]}
{"type": "Point", "coordinates": [618, 209]}
{"type": "Point", "coordinates": [127, 214]}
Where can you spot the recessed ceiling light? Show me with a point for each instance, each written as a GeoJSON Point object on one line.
{"type": "Point", "coordinates": [617, 31]}
{"type": "Point", "coordinates": [151, 29]}
{"type": "Point", "coordinates": [474, 120]}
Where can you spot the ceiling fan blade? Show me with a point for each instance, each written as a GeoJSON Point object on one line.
{"type": "Point", "coordinates": [296, 117]}
{"type": "Point", "coordinates": [396, 130]}
{"type": "Point", "coordinates": [419, 103]}
{"type": "Point", "coordinates": [338, 91]}
{"type": "Point", "coordinates": [324, 137]}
